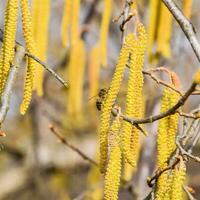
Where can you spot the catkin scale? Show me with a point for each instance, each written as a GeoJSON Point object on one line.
{"type": "Point", "coordinates": [110, 98]}
{"type": "Point", "coordinates": [113, 171]}
{"type": "Point", "coordinates": [41, 15]}
{"type": "Point", "coordinates": [104, 30]}
{"type": "Point", "coordinates": [30, 45]}
{"type": "Point", "coordinates": [9, 41]}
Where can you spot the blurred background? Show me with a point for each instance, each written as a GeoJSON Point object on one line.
{"type": "Point", "coordinates": [34, 164]}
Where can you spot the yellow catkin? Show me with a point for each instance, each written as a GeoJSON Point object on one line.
{"type": "Point", "coordinates": [104, 31]}
{"type": "Point", "coordinates": [164, 32]}
{"type": "Point", "coordinates": [41, 14]}
{"type": "Point", "coordinates": [76, 78]}
{"type": "Point", "coordinates": [94, 70]}
{"type": "Point", "coordinates": [179, 176]}
{"type": "Point", "coordinates": [74, 33]}
{"type": "Point", "coordinates": [7, 55]}
{"type": "Point", "coordinates": [113, 171]}
{"type": "Point", "coordinates": [187, 8]}
{"type": "Point", "coordinates": [66, 22]}
{"type": "Point", "coordinates": [153, 21]}
{"type": "Point", "coordinates": [167, 131]}
{"type": "Point", "coordinates": [131, 135]}
{"type": "Point", "coordinates": [30, 46]}
{"type": "Point", "coordinates": [110, 98]}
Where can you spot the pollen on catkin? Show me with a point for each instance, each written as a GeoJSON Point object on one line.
{"type": "Point", "coordinates": [66, 19]}
{"type": "Point", "coordinates": [113, 171]}
{"type": "Point", "coordinates": [30, 46]}
{"type": "Point", "coordinates": [41, 15]}
{"type": "Point", "coordinates": [187, 8]}
{"type": "Point", "coordinates": [131, 135]}
{"type": "Point", "coordinates": [110, 99]}
{"type": "Point", "coordinates": [8, 50]}
{"type": "Point", "coordinates": [104, 31]}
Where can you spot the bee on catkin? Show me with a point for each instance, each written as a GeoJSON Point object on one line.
{"type": "Point", "coordinates": [30, 46]}
{"type": "Point", "coordinates": [110, 98]}
{"type": "Point", "coordinates": [41, 15]}
{"type": "Point", "coordinates": [104, 30]}
{"type": "Point", "coordinates": [113, 171]}
{"type": "Point", "coordinates": [8, 47]}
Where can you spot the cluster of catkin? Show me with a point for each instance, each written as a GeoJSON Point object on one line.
{"type": "Point", "coordinates": [169, 185]}
{"type": "Point", "coordinates": [8, 48]}
{"type": "Point", "coordinates": [120, 138]}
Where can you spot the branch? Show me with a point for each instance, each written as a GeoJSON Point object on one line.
{"type": "Point", "coordinates": [171, 111]}
{"type": "Point", "coordinates": [72, 147]}
{"type": "Point", "coordinates": [51, 71]}
{"type": "Point", "coordinates": [5, 99]}
{"type": "Point", "coordinates": [185, 25]}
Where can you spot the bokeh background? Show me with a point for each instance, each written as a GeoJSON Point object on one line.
{"type": "Point", "coordinates": [34, 165]}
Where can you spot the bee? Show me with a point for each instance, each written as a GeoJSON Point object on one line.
{"type": "Point", "coordinates": [101, 97]}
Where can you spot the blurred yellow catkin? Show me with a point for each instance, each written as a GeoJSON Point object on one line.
{"type": "Point", "coordinates": [66, 20]}
{"type": "Point", "coordinates": [160, 31]}
{"type": "Point", "coordinates": [94, 70]}
{"type": "Point", "coordinates": [76, 78]}
{"type": "Point", "coordinates": [164, 31]}
{"type": "Point", "coordinates": [74, 32]}
{"type": "Point", "coordinates": [152, 27]}
{"type": "Point", "coordinates": [113, 171]}
{"type": "Point", "coordinates": [110, 98]}
{"type": "Point", "coordinates": [8, 50]}
{"type": "Point", "coordinates": [31, 48]}
{"type": "Point", "coordinates": [187, 8]}
{"type": "Point", "coordinates": [104, 31]}
{"type": "Point", "coordinates": [41, 15]}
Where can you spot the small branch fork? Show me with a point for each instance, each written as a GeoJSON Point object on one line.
{"type": "Point", "coordinates": [72, 147]}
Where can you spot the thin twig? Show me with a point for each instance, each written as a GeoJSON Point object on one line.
{"type": "Point", "coordinates": [51, 71]}
{"type": "Point", "coordinates": [154, 118]}
{"type": "Point", "coordinates": [190, 196]}
{"type": "Point", "coordinates": [72, 147]}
